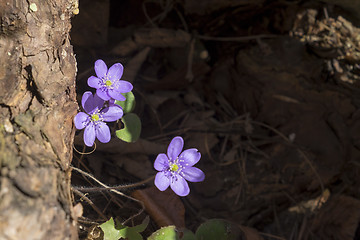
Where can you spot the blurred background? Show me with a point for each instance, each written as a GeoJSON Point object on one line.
{"type": "Point", "coordinates": [268, 91]}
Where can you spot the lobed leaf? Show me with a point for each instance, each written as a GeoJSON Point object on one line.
{"type": "Point", "coordinates": [129, 104]}
{"type": "Point", "coordinates": [113, 232]}
{"type": "Point", "coordinates": [165, 233]}
{"type": "Point", "coordinates": [215, 229]}
{"type": "Point", "coordinates": [132, 128]}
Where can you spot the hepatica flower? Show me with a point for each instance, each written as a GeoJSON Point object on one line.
{"type": "Point", "coordinates": [107, 83]}
{"type": "Point", "coordinates": [176, 167]}
{"type": "Point", "coordinates": [94, 118]}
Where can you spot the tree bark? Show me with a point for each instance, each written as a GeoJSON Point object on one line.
{"type": "Point", "coordinates": [37, 106]}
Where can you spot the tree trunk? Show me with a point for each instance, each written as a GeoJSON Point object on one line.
{"type": "Point", "coordinates": [37, 106]}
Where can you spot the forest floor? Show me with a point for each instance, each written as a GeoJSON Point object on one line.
{"type": "Point", "coordinates": [269, 93]}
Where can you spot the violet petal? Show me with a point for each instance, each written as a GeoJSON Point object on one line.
{"type": "Point", "coordinates": [161, 181]}
{"type": "Point", "coordinates": [103, 93]}
{"type": "Point", "coordinates": [86, 102]}
{"type": "Point", "coordinates": [193, 174]}
{"type": "Point", "coordinates": [190, 156]}
{"type": "Point", "coordinates": [102, 132]}
{"type": "Point", "coordinates": [161, 162]}
{"type": "Point", "coordinates": [180, 186]}
{"type": "Point", "coordinates": [100, 68]}
{"type": "Point", "coordinates": [91, 103]}
{"type": "Point", "coordinates": [94, 82]}
{"type": "Point", "coordinates": [175, 147]}
{"type": "Point", "coordinates": [112, 113]}
{"type": "Point", "coordinates": [89, 134]}
{"type": "Point", "coordinates": [81, 120]}
{"type": "Point", "coordinates": [115, 72]}
{"type": "Point", "coordinates": [116, 95]}
{"type": "Point", "coordinates": [99, 102]}
{"type": "Point", "coordinates": [123, 86]}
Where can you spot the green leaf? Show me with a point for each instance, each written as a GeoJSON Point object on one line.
{"type": "Point", "coordinates": [188, 235]}
{"type": "Point", "coordinates": [215, 229]}
{"type": "Point", "coordinates": [129, 104]}
{"type": "Point", "coordinates": [132, 128]}
{"type": "Point", "coordinates": [164, 233]}
{"type": "Point", "coordinates": [112, 232]}
{"type": "Point", "coordinates": [141, 227]}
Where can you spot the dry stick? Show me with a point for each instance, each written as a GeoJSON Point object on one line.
{"type": "Point", "coordinates": [189, 73]}
{"type": "Point", "coordinates": [160, 16]}
{"type": "Point", "coordinates": [207, 148]}
{"type": "Point", "coordinates": [302, 228]}
{"type": "Point", "coordinates": [299, 150]}
{"type": "Point", "coordinates": [106, 187]}
{"type": "Point", "coordinates": [86, 221]}
{"type": "Point", "coordinates": [132, 185]}
{"type": "Point", "coordinates": [277, 222]}
{"type": "Point", "coordinates": [293, 232]}
{"type": "Point", "coordinates": [244, 181]}
{"type": "Point", "coordinates": [83, 196]}
{"type": "Point", "coordinates": [174, 119]}
{"type": "Point", "coordinates": [236, 39]}
{"type": "Point", "coordinates": [223, 146]}
{"type": "Point", "coordinates": [182, 19]}
{"type": "Point", "coordinates": [175, 132]}
{"type": "Point", "coordinates": [82, 164]}
{"type": "Point", "coordinates": [184, 120]}
{"type": "Point", "coordinates": [303, 155]}
{"type": "Point", "coordinates": [249, 140]}
{"type": "Point", "coordinates": [244, 158]}
{"type": "Point", "coordinates": [152, 110]}
{"type": "Point", "coordinates": [114, 191]}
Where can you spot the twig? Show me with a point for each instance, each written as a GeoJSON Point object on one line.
{"type": "Point", "coordinates": [124, 186]}
{"type": "Point", "coordinates": [83, 196]}
{"type": "Point", "coordinates": [166, 9]}
{"type": "Point", "coordinates": [236, 39]}
{"type": "Point", "coordinates": [152, 110]}
{"type": "Point", "coordinates": [189, 73]}
{"type": "Point", "coordinates": [114, 191]}
{"type": "Point", "coordinates": [302, 154]}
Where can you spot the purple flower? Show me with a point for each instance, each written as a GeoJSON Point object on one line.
{"type": "Point", "coordinates": [107, 83]}
{"type": "Point", "coordinates": [176, 167]}
{"type": "Point", "coordinates": [95, 117]}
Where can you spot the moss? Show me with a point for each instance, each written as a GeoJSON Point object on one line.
{"type": "Point", "coordinates": [8, 157]}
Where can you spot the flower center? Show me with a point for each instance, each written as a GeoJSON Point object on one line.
{"type": "Point", "coordinates": [174, 167]}
{"type": "Point", "coordinates": [95, 117]}
{"type": "Point", "coordinates": [108, 83]}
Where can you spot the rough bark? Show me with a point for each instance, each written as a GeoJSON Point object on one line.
{"type": "Point", "coordinates": [37, 105]}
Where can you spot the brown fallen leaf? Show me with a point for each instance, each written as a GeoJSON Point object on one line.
{"type": "Point", "coordinates": [165, 208]}
{"type": "Point", "coordinates": [77, 211]}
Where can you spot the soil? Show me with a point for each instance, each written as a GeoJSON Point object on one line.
{"type": "Point", "coordinates": [268, 92]}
